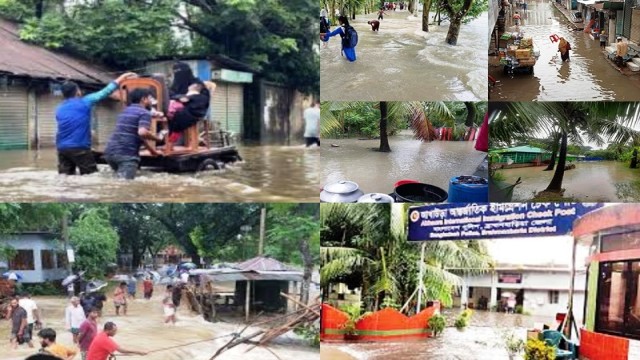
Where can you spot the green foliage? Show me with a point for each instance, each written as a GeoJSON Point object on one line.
{"type": "Point", "coordinates": [354, 314]}
{"type": "Point", "coordinates": [437, 323]}
{"type": "Point", "coordinates": [309, 332]}
{"type": "Point", "coordinates": [456, 8]}
{"type": "Point", "coordinates": [48, 288]}
{"type": "Point", "coordinates": [94, 240]}
{"type": "Point", "coordinates": [518, 309]}
{"type": "Point", "coordinates": [538, 350]}
{"type": "Point", "coordinates": [513, 344]}
{"type": "Point", "coordinates": [388, 302]}
{"type": "Point", "coordinates": [463, 319]}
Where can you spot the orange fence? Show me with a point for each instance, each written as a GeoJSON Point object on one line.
{"type": "Point", "coordinates": [386, 324]}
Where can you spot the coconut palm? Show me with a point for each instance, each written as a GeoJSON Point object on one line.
{"type": "Point", "coordinates": [597, 122]}
{"type": "Point", "coordinates": [367, 244]}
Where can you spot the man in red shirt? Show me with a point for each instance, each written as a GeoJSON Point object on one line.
{"type": "Point", "coordinates": [103, 346]}
{"type": "Point", "coordinates": [88, 331]}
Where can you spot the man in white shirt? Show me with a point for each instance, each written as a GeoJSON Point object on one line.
{"type": "Point", "coordinates": [74, 317]}
{"type": "Point", "coordinates": [312, 124]}
{"type": "Point", "coordinates": [184, 277]}
{"type": "Point", "coordinates": [33, 316]}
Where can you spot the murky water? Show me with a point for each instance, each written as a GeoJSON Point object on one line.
{"type": "Point", "coordinates": [401, 62]}
{"type": "Point", "coordinates": [587, 76]}
{"type": "Point", "coordinates": [601, 181]}
{"type": "Point", "coordinates": [268, 173]}
{"type": "Point", "coordinates": [143, 329]}
{"type": "Point", "coordinates": [482, 340]}
{"type": "Point", "coordinates": [433, 163]}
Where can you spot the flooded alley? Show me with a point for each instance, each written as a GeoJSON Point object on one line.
{"type": "Point", "coordinates": [143, 329]}
{"type": "Point", "coordinates": [433, 163]}
{"type": "Point", "coordinates": [483, 339]}
{"type": "Point", "coordinates": [401, 62]}
{"type": "Point", "coordinates": [267, 174]}
{"type": "Point", "coordinates": [601, 181]}
{"type": "Point", "coordinates": [587, 76]}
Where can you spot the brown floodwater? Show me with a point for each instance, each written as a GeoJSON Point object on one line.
{"type": "Point", "coordinates": [587, 76]}
{"type": "Point", "coordinates": [267, 174]}
{"type": "Point", "coordinates": [597, 181]}
{"type": "Point", "coordinates": [143, 329]}
{"type": "Point", "coordinates": [481, 340]}
{"type": "Point", "coordinates": [401, 62]}
{"type": "Point", "coordinates": [433, 163]}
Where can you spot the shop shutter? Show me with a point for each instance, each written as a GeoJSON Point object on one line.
{"type": "Point", "coordinates": [46, 125]}
{"type": "Point", "coordinates": [14, 124]}
{"type": "Point", "coordinates": [626, 22]}
{"type": "Point", "coordinates": [228, 106]}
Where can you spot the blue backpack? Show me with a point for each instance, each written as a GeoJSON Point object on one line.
{"type": "Point", "coordinates": [350, 37]}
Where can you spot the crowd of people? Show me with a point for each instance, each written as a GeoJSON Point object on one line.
{"type": "Point", "coordinates": [90, 340]}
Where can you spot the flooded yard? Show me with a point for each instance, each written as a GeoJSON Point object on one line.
{"type": "Point", "coordinates": [432, 163]}
{"type": "Point", "coordinates": [401, 56]}
{"type": "Point", "coordinates": [143, 329]}
{"type": "Point", "coordinates": [482, 340]}
{"type": "Point", "coordinates": [267, 174]}
{"type": "Point", "coordinates": [599, 181]}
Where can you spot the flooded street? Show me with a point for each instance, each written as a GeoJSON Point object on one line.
{"type": "Point", "coordinates": [482, 340]}
{"type": "Point", "coordinates": [267, 174]}
{"type": "Point", "coordinates": [402, 56]}
{"type": "Point", "coordinates": [143, 329]}
{"type": "Point", "coordinates": [600, 181]}
{"type": "Point", "coordinates": [587, 76]}
{"type": "Point", "coordinates": [432, 163]}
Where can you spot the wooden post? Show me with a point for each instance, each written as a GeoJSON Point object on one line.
{"type": "Point", "coordinates": [568, 321]}
{"type": "Point", "coordinates": [247, 301]}
{"type": "Point", "coordinates": [263, 218]}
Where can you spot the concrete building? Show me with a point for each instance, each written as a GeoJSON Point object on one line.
{"type": "Point", "coordinates": [540, 289]}
{"type": "Point", "coordinates": [38, 257]}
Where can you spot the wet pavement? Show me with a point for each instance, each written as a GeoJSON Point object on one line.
{"type": "Point", "coordinates": [267, 174]}
{"type": "Point", "coordinates": [143, 329]}
{"type": "Point", "coordinates": [482, 340]}
{"type": "Point", "coordinates": [434, 163]}
{"type": "Point", "coordinates": [401, 62]}
{"type": "Point", "coordinates": [598, 181]}
{"type": "Point", "coordinates": [587, 76]}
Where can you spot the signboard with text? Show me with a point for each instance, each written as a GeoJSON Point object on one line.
{"type": "Point", "coordinates": [493, 220]}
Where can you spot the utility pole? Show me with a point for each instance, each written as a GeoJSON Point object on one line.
{"type": "Point", "coordinates": [263, 219]}
{"type": "Point", "coordinates": [65, 238]}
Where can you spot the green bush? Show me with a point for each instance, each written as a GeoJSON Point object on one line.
{"type": "Point", "coordinates": [43, 289]}
{"type": "Point", "coordinates": [309, 332]}
{"type": "Point", "coordinates": [437, 324]}
{"type": "Point", "coordinates": [461, 323]}
{"type": "Point", "coordinates": [538, 350]}
{"type": "Point", "coordinates": [519, 309]}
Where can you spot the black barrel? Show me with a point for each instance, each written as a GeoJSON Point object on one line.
{"type": "Point", "coordinates": [420, 193]}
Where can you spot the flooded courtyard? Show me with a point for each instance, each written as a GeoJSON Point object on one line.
{"type": "Point", "coordinates": [599, 181]}
{"type": "Point", "coordinates": [267, 174]}
{"type": "Point", "coordinates": [401, 62]}
{"type": "Point", "coordinates": [143, 329]}
{"type": "Point", "coordinates": [433, 163]}
{"type": "Point", "coordinates": [481, 340]}
{"type": "Point", "coordinates": [587, 76]}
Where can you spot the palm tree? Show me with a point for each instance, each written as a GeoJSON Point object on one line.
{"type": "Point", "coordinates": [595, 121]}
{"type": "Point", "coordinates": [368, 242]}
{"type": "Point", "coordinates": [384, 139]}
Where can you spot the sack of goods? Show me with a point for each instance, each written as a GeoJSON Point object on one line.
{"type": "Point", "coordinates": [511, 50]}
{"type": "Point", "coordinates": [523, 54]}
{"type": "Point", "coordinates": [527, 62]}
{"type": "Point", "coordinates": [526, 43]}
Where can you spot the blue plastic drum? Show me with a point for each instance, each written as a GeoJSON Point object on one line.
{"type": "Point", "coordinates": [468, 189]}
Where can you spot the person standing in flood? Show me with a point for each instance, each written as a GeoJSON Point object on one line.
{"type": "Point", "coordinates": [120, 298]}
{"type": "Point", "coordinates": [349, 38]}
{"type": "Point", "coordinates": [622, 48]}
{"type": "Point", "coordinates": [563, 48]}
{"type": "Point", "coordinates": [74, 317]}
{"type": "Point", "coordinates": [73, 118]}
{"type": "Point", "coordinates": [311, 124]}
{"type": "Point", "coordinates": [381, 14]}
{"type": "Point", "coordinates": [375, 25]}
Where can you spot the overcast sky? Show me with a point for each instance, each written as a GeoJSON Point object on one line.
{"type": "Point", "coordinates": [536, 250]}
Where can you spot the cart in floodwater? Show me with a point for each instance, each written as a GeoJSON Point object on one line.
{"type": "Point", "coordinates": [202, 150]}
{"type": "Point", "coordinates": [519, 55]}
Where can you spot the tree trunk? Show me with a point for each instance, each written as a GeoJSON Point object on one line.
{"type": "Point", "coordinates": [556, 182]}
{"type": "Point", "coordinates": [307, 260]}
{"type": "Point", "coordinates": [454, 30]}
{"type": "Point", "coordinates": [634, 159]}
{"type": "Point", "coordinates": [554, 152]}
{"type": "Point", "coordinates": [425, 15]}
{"type": "Point", "coordinates": [39, 9]}
{"type": "Point", "coordinates": [384, 140]}
{"type": "Point", "coordinates": [471, 114]}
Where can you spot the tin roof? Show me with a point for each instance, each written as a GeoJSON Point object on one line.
{"type": "Point", "coordinates": [223, 275]}
{"type": "Point", "coordinates": [263, 263]}
{"type": "Point", "coordinates": [23, 59]}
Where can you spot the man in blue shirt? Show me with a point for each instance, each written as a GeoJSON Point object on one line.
{"type": "Point", "coordinates": [73, 115]}
{"type": "Point", "coordinates": [132, 131]}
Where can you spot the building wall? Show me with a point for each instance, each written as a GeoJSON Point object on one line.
{"type": "Point", "coordinates": [36, 243]}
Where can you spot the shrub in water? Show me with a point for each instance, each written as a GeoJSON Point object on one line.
{"type": "Point", "coordinates": [437, 324]}
{"type": "Point", "coordinates": [538, 350]}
